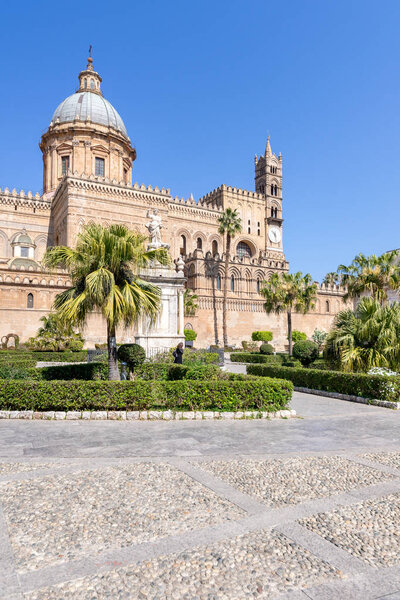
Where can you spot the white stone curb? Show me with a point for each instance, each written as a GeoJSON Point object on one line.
{"type": "Point", "coordinates": [145, 415]}
{"type": "Point", "coordinates": [359, 399]}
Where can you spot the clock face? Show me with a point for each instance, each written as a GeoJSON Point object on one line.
{"type": "Point", "coordinates": [274, 234]}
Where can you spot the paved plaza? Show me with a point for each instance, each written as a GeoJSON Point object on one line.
{"type": "Point", "coordinates": [290, 509]}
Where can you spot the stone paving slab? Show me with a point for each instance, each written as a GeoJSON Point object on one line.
{"type": "Point", "coordinates": [59, 518]}
{"type": "Point", "coordinates": [255, 565]}
{"type": "Point", "coordinates": [282, 482]}
{"type": "Point", "coordinates": [369, 530]}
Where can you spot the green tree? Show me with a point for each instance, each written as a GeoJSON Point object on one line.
{"type": "Point", "coordinates": [298, 336]}
{"type": "Point", "coordinates": [289, 292]}
{"type": "Point", "coordinates": [364, 338]}
{"type": "Point", "coordinates": [190, 302]}
{"type": "Point", "coordinates": [56, 335]}
{"type": "Point", "coordinates": [230, 224]}
{"type": "Point", "coordinates": [331, 278]}
{"type": "Point", "coordinates": [104, 269]}
{"type": "Point", "coordinates": [319, 337]}
{"type": "Point", "coordinates": [372, 275]}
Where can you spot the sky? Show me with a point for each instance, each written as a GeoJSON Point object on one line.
{"type": "Point", "coordinates": [200, 86]}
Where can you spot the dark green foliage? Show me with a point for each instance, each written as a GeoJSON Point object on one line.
{"type": "Point", "coordinates": [190, 335]}
{"type": "Point", "coordinates": [266, 349]}
{"type": "Point", "coordinates": [261, 336]}
{"type": "Point", "coordinates": [17, 371]}
{"type": "Point", "coordinates": [298, 336]}
{"type": "Point", "coordinates": [291, 362]}
{"type": "Point", "coordinates": [133, 354]}
{"type": "Point", "coordinates": [34, 356]}
{"type": "Point", "coordinates": [306, 352]}
{"type": "Point", "coordinates": [254, 394]}
{"type": "Point", "coordinates": [249, 357]}
{"type": "Point", "coordinates": [353, 384]}
{"type": "Point", "coordinates": [85, 371]}
{"type": "Point", "coordinates": [166, 372]}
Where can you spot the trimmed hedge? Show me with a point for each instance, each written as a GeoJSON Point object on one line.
{"type": "Point", "coordinates": [354, 384]}
{"type": "Point", "coordinates": [174, 372]}
{"type": "Point", "coordinates": [260, 393]}
{"type": "Point", "coordinates": [249, 357]}
{"type": "Point", "coordinates": [87, 371]}
{"type": "Point", "coordinates": [25, 355]}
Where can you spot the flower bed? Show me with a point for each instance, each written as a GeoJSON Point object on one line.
{"type": "Point", "coordinates": [262, 394]}
{"type": "Point", "coordinates": [353, 384]}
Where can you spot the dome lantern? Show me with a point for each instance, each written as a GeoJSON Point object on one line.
{"type": "Point", "coordinates": [89, 79]}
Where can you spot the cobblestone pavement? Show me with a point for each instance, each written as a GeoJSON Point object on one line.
{"type": "Point", "coordinates": [301, 509]}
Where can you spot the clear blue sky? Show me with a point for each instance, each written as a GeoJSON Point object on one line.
{"type": "Point", "coordinates": [201, 84]}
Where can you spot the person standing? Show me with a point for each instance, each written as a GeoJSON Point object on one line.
{"type": "Point", "coordinates": [178, 354]}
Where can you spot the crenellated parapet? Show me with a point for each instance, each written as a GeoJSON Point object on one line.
{"type": "Point", "coordinates": [29, 200]}
{"type": "Point", "coordinates": [216, 195]}
{"type": "Point", "coordinates": [328, 288]}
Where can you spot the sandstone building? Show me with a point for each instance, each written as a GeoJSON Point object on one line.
{"type": "Point", "coordinates": [87, 177]}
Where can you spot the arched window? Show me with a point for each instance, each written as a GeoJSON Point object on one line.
{"type": "Point", "coordinates": [232, 283]}
{"type": "Point", "coordinates": [182, 250]}
{"type": "Point", "coordinates": [243, 249]}
{"type": "Point", "coordinates": [248, 226]}
{"type": "Point", "coordinates": [258, 228]}
{"type": "Point", "coordinates": [199, 243]}
{"type": "Point", "coordinates": [327, 306]}
{"type": "Point", "coordinates": [92, 84]}
{"type": "Point", "coordinates": [85, 84]}
{"type": "Point", "coordinates": [258, 286]}
{"type": "Point", "coordinates": [272, 190]}
{"type": "Point", "coordinates": [218, 282]}
{"type": "Point", "coordinates": [29, 301]}
{"type": "Point", "coordinates": [214, 247]}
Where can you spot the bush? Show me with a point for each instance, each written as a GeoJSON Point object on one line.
{"type": "Point", "coordinates": [261, 336]}
{"type": "Point", "coordinates": [266, 349]}
{"type": "Point", "coordinates": [249, 357]}
{"type": "Point", "coordinates": [291, 362]}
{"type": "Point", "coordinates": [189, 356]}
{"type": "Point", "coordinates": [34, 356]}
{"type": "Point", "coordinates": [298, 336]}
{"type": "Point", "coordinates": [252, 394]}
{"type": "Point", "coordinates": [249, 346]}
{"type": "Point", "coordinates": [353, 384]}
{"type": "Point", "coordinates": [190, 335]}
{"type": "Point", "coordinates": [166, 372]}
{"type": "Point", "coordinates": [87, 371]}
{"type": "Point", "coordinates": [306, 352]}
{"type": "Point", "coordinates": [133, 354]}
{"type": "Point", "coordinates": [8, 371]}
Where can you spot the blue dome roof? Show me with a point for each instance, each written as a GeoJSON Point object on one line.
{"type": "Point", "coordinates": [89, 106]}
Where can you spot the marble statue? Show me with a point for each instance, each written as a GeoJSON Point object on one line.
{"type": "Point", "coordinates": [154, 227]}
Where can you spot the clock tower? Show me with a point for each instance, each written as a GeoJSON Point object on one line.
{"type": "Point", "coordinates": [268, 181]}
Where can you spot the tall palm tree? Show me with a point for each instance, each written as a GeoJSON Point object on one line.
{"type": "Point", "coordinates": [331, 278]}
{"type": "Point", "coordinates": [289, 292]}
{"type": "Point", "coordinates": [230, 224]}
{"type": "Point", "coordinates": [372, 275]}
{"type": "Point", "coordinates": [104, 269]}
{"type": "Point", "coordinates": [190, 302]}
{"type": "Point", "coordinates": [364, 338]}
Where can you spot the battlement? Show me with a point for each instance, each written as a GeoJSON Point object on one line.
{"type": "Point", "coordinates": [245, 194]}
{"type": "Point", "coordinates": [29, 200]}
{"type": "Point", "coordinates": [331, 288]}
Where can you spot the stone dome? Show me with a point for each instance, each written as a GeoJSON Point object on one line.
{"type": "Point", "coordinates": [88, 106]}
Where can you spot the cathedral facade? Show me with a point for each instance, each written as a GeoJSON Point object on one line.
{"type": "Point", "coordinates": [87, 178]}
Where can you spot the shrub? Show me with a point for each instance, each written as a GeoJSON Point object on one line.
{"type": "Point", "coordinates": [189, 356]}
{"type": "Point", "coordinates": [298, 336]}
{"type": "Point", "coordinates": [204, 372]}
{"type": "Point", "coordinates": [266, 349]}
{"type": "Point", "coordinates": [34, 356]}
{"type": "Point", "coordinates": [306, 352]}
{"type": "Point", "coordinates": [166, 372]}
{"type": "Point", "coordinates": [190, 335]}
{"type": "Point", "coordinates": [8, 371]}
{"type": "Point", "coordinates": [249, 346]}
{"type": "Point", "coordinates": [353, 384]}
{"type": "Point", "coordinates": [291, 362]}
{"type": "Point", "coordinates": [249, 357]}
{"type": "Point", "coordinates": [252, 394]}
{"type": "Point", "coordinates": [261, 336]}
{"type": "Point", "coordinates": [87, 371]}
{"type": "Point", "coordinates": [133, 354]}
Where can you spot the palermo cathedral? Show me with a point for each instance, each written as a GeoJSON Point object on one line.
{"type": "Point", "coordinates": [87, 177]}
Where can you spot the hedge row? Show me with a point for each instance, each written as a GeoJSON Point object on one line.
{"type": "Point", "coordinates": [255, 394]}
{"type": "Point", "coordinates": [354, 384]}
{"type": "Point", "coordinates": [250, 357]}
{"type": "Point", "coordinates": [86, 371]}
{"type": "Point", "coordinates": [7, 356]}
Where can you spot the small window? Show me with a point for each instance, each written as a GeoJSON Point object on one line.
{"type": "Point", "coordinates": [258, 286]}
{"type": "Point", "coordinates": [214, 247]}
{"type": "Point", "coordinates": [25, 252]}
{"type": "Point", "coordinates": [232, 283]}
{"type": "Point", "coordinates": [327, 306]}
{"type": "Point", "coordinates": [29, 301]}
{"type": "Point", "coordinates": [64, 164]}
{"type": "Point", "coordinates": [125, 175]}
{"type": "Point", "coordinates": [218, 282]}
{"type": "Point", "coordinates": [199, 243]}
{"type": "Point", "coordinates": [258, 228]}
{"type": "Point", "coordinates": [92, 84]}
{"type": "Point", "coordinates": [99, 166]}
{"type": "Point", "coordinates": [85, 84]}
{"type": "Point", "coordinates": [182, 249]}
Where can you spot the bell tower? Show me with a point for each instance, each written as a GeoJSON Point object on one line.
{"type": "Point", "coordinates": [268, 181]}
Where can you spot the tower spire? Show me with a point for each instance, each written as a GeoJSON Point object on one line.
{"type": "Point", "coordinates": [268, 150]}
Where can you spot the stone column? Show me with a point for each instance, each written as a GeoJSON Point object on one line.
{"type": "Point", "coordinates": [181, 313]}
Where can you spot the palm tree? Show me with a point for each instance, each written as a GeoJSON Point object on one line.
{"type": "Point", "coordinates": [331, 278]}
{"type": "Point", "coordinates": [190, 302]}
{"type": "Point", "coordinates": [104, 269]}
{"type": "Point", "coordinates": [289, 292]}
{"type": "Point", "coordinates": [372, 275]}
{"type": "Point", "coordinates": [229, 225]}
{"type": "Point", "coordinates": [364, 338]}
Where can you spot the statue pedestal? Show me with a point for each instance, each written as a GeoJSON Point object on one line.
{"type": "Point", "coordinates": [167, 332]}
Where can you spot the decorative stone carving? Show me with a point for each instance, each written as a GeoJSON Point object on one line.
{"type": "Point", "coordinates": [154, 227]}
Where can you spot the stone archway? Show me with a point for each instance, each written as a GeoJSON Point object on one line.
{"type": "Point", "coordinates": [6, 338]}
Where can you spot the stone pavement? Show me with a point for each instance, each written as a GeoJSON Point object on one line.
{"type": "Point", "coordinates": [305, 508]}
